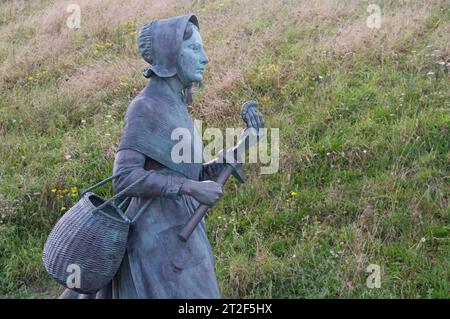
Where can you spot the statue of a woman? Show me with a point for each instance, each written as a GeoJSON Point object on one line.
{"type": "Point", "coordinates": [157, 263]}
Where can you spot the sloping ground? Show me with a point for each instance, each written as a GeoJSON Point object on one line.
{"type": "Point", "coordinates": [364, 126]}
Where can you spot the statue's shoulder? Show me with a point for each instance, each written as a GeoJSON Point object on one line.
{"type": "Point", "coordinates": [141, 103]}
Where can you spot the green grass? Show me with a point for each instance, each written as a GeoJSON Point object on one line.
{"type": "Point", "coordinates": [364, 144]}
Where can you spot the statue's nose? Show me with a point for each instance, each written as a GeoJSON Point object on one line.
{"type": "Point", "coordinates": [205, 59]}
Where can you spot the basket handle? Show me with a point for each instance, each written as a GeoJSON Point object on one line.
{"type": "Point", "coordinates": [101, 183]}
{"type": "Point", "coordinates": [120, 193]}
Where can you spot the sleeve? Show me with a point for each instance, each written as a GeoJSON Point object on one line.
{"type": "Point", "coordinates": [130, 164]}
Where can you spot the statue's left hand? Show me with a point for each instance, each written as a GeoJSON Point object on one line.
{"type": "Point", "coordinates": [253, 118]}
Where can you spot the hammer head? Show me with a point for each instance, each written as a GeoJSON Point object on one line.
{"type": "Point", "coordinates": [238, 173]}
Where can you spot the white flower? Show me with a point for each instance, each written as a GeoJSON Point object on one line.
{"type": "Point", "coordinates": [67, 157]}
{"type": "Point", "coordinates": [430, 73]}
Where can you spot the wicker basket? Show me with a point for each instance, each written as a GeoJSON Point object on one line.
{"type": "Point", "coordinates": [90, 238]}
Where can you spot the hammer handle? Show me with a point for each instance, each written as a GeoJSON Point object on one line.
{"type": "Point", "coordinates": [201, 210]}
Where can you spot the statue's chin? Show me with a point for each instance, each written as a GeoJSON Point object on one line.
{"type": "Point", "coordinates": [198, 77]}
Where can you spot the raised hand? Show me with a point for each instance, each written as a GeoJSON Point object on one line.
{"type": "Point", "coordinates": [251, 116]}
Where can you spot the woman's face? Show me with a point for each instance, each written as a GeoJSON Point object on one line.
{"type": "Point", "coordinates": [192, 59]}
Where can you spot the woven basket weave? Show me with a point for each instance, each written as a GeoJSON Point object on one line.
{"type": "Point", "coordinates": [92, 235]}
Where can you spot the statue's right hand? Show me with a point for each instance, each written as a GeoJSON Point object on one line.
{"type": "Point", "coordinates": [206, 192]}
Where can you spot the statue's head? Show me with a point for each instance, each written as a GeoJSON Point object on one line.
{"type": "Point", "coordinates": [192, 58]}
{"type": "Point", "coordinates": [173, 47]}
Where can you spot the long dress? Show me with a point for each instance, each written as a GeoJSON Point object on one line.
{"type": "Point", "coordinates": [157, 263]}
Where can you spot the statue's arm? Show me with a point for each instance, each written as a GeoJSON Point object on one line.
{"type": "Point", "coordinates": [130, 164]}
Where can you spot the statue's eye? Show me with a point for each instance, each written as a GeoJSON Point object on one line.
{"type": "Point", "coordinates": [196, 47]}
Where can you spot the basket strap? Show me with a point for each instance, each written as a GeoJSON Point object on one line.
{"type": "Point", "coordinates": [124, 201]}
{"type": "Point", "coordinates": [143, 208]}
{"type": "Point", "coordinates": [121, 192]}
{"type": "Point", "coordinates": [101, 183]}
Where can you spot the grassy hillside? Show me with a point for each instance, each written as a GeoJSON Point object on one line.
{"type": "Point", "coordinates": [364, 126]}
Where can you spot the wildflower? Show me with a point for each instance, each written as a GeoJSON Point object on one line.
{"type": "Point", "coordinates": [63, 209]}
{"type": "Point", "coordinates": [67, 157]}
{"type": "Point", "coordinates": [30, 78]}
{"type": "Point", "coordinates": [64, 190]}
{"type": "Point", "coordinates": [430, 73]}
{"type": "Point", "coordinates": [53, 190]}
{"type": "Point", "coordinates": [74, 190]}
{"type": "Point", "coordinates": [294, 193]}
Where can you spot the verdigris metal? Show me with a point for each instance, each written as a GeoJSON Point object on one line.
{"type": "Point", "coordinates": [233, 160]}
{"type": "Point", "coordinates": [157, 264]}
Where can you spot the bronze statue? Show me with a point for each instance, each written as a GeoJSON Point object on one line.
{"type": "Point", "coordinates": [157, 263]}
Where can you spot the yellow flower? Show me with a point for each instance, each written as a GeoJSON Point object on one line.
{"type": "Point", "coordinates": [54, 190]}
{"type": "Point", "coordinates": [74, 190]}
{"type": "Point", "coordinates": [64, 190]}
{"type": "Point", "coordinates": [30, 78]}
{"type": "Point", "coordinates": [63, 208]}
{"type": "Point", "coordinates": [294, 193]}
